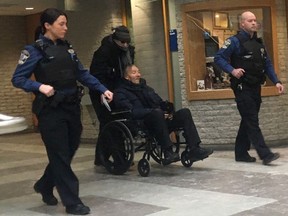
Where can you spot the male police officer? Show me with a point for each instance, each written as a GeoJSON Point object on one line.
{"type": "Point", "coordinates": [245, 58]}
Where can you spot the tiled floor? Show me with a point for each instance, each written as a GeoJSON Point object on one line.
{"type": "Point", "coordinates": [217, 186]}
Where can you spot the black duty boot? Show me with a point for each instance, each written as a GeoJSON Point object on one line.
{"type": "Point", "coordinates": [244, 158]}
{"type": "Point", "coordinates": [47, 196]}
{"type": "Point", "coordinates": [271, 157]}
{"type": "Point", "coordinates": [78, 209]}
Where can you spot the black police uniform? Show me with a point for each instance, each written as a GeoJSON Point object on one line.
{"type": "Point", "coordinates": [59, 116]}
{"type": "Point", "coordinates": [249, 54]}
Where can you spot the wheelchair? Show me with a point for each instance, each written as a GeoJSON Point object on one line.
{"type": "Point", "coordinates": [122, 137]}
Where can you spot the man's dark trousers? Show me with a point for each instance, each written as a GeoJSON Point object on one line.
{"type": "Point", "coordinates": [161, 127]}
{"type": "Point", "coordinates": [248, 101]}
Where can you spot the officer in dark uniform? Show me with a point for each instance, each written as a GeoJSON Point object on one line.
{"type": "Point", "coordinates": [244, 57]}
{"type": "Point", "coordinates": [57, 106]}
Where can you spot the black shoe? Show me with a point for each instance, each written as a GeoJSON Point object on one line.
{"type": "Point", "coordinates": [47, 197]}
{"type": "Point", "coordinates": [271, 157]}
{"type": "Point", "coordinates": [200, 153]}
{"type": "Point", "coordinates": [78, 209]}
{"type": "Point", "coordinates": [170, 157]}
{"type": "Point", "coordinates": [245, 158]}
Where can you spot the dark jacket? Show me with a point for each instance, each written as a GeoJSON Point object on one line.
{"type": "Point", "coordinates": [139, 98]}
{"type": "Point", "coordinates": [109, 62]}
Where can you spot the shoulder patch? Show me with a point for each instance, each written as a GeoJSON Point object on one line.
{"type": "Point", "coordinates": [23, 57]}
{"type": "Point", "coordinates": [71, 51]}
{"type": "Point", "coordinates": [226, 44]}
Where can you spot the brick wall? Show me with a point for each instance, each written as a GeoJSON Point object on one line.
{"type": "Point", "coordinates": [218, 120]}
{"type": "Point", "coordinates": [12, 101]}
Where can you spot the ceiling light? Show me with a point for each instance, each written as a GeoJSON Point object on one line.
{"type": "Point", "coordinates": [29, 8]}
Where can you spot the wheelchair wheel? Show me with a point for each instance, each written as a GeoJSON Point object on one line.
{"type": "Point", "coordinates": [116, 149]}
{"type": "Point", "coordinates": [143, 167]}
{"type": "Point", "coordinates": [155, 151]}
{"type": "Point", "coordinates": [185, 160]}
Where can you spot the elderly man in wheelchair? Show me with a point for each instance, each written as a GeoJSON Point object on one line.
{"type": "Point", "coordinates": [156, 119]}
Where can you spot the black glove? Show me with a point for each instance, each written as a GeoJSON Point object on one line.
{"type": "Point", "coordinates": [167, 106]}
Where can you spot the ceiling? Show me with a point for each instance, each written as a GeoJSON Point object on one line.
{"type": "Point", "coordinates": [17, 7]}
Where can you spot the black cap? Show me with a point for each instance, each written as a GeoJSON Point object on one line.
{"type": "Point", "coordinates": [121, 33]}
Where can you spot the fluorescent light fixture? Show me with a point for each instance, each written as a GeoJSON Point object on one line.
{"type": "Point", "coordinates": [29, 8]}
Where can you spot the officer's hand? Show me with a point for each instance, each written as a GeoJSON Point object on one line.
{"type": "Point", "coordinates": [47, 90]}
{"type": "Point", "coordinates": [238, 72]}
{"type": "Point", "coordinates": [280, 88]}
{"type": "Point", "coordinates": [108, 95]}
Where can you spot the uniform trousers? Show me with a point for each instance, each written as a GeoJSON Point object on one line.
{"type": "Point", "coordinates": [248, 101]}
{"type": "Point", "coordinates": [161, 127]}
{"type": "Point", "coordinates": [61, 128]}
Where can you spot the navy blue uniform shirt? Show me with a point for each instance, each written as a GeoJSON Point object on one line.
{"type": "Point", "coordinates": [232, 46]}
{"type": "Point", "coordinates": [28, 62]}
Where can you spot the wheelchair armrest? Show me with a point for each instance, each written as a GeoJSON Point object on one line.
{"type": "Point", "coordinates": [121, 114]}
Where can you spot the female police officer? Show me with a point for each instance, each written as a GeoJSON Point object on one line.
{"type": "Point", "coordinates": [57, 106]}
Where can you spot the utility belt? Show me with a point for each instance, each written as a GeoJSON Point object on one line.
{"type": "Point", "coordinates": [251, 81]}
{"type": "Point", "coordinates": [58, 98]}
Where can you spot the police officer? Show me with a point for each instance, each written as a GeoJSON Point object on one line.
{"type": "Point", "coordinates": [57, 106]}
{"type": "Point", "coordinates": [108, 64]}
{"type": "Point", "coordinates": [244, 57]}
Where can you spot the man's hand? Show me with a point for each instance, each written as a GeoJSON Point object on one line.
{"type": "Point", "coordinates": [238, 72]}
{"type": "Point", "coordinates": [280, 88]}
